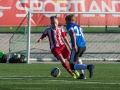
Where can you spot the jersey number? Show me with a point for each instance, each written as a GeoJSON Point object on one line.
{"type": "Point", "coordinates": [78, 31]}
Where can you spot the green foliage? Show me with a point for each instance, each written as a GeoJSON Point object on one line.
{"type": "Point", "coordinates": [37, 77]}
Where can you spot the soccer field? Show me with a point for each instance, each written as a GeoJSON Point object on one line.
{"type": "Point", "coordinates": [37, 77]}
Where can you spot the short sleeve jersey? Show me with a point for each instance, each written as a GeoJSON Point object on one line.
{"type": "Point", "coordinates": [80, 42]}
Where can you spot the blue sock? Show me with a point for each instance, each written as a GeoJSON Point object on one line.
{"type": "Point", "coordinates": [80, 66]}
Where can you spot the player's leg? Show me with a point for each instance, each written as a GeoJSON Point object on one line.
{"type": "Point", "coordinates": [72, 62]}
{"type": "Point", "coordinates": [80, 62]}
{"type": "Point", "coordinates": [64, 63]}
{"type": "Point", "coordinates": [74, 71]}
{"type": "Point", "coordinates": [57, 52]}
{"type": "Point", "coordinates": [66, 55]}
{"type": "Point", "coordinates": [82, 66]}
{"type": "Point", "coordinates": [82, 76]}
{"type": "Point", "coordinates": [81, 50]}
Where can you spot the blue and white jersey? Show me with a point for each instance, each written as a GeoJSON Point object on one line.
{"type": "Point", "coordinates": [80, 42]}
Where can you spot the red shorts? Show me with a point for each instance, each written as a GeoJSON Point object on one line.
{"type": "Point", "coordinates": [61, 50]}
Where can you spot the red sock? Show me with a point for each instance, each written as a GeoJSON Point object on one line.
{"type": "Point", "coordinates": [67, 67]}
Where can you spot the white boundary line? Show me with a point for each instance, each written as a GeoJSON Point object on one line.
{"type": "Point", "coordinates": [54, 80]}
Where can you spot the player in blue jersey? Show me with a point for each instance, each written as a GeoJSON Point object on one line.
{"type": "Point", "coordinates": [78, 47]}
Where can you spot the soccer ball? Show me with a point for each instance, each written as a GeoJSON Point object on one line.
{"type": "Point", "coordinates": [55, 72]}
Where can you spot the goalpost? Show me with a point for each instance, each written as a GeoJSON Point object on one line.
{"type": "Point", "coordinates": [29, 23]}
{"type": "Point", "coordinates": [100, 46]}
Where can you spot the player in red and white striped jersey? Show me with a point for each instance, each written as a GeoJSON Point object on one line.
{"type": "Point", "coordinates": [56, 34]}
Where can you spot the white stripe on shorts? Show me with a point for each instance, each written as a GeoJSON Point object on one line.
{"type": "Point", "coordinates": [72, 55]}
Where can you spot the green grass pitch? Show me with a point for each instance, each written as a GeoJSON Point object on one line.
{"type": "Point", "coordinates": [37, 77]}
{"type": "Point", "coordinates": [38, 29]}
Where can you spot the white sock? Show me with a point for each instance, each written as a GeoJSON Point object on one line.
{"type": "Point", "coordinates": [80, 62]}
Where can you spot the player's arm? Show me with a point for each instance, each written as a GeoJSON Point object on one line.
{"type": "Point", "coordinates": [67, 42]}
{"type": "Point", "coordinates": [43, 36]}
{"type": "Point", "coordinates": [73, 37]}
{"type": "Point", "coordinates": [64, 35]}
{"type": "Point", "coordinates": [40, 40]}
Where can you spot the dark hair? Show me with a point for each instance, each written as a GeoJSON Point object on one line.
{"type": "Point", "coordinates": [53, 17]}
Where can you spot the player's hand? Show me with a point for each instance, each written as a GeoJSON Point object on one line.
{"type": "Point", "coordinates": [76, 49]}
{"type": "Point", "coordinates": [39, 41]}
{"type": "Point", "coordinates": [70, 48]}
